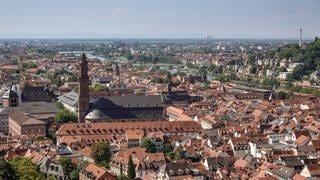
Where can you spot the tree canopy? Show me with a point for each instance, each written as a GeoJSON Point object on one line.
{"type": "Point", "coordinates": [6, 170]}
{"type": "Point", "coordinates": [253, 69]}
{"type": "Point", "coordinates": [67, 165]}
{"type": "Point", "coordinates": [123, 177]}
{"type": "Point", "coordinates": [174, 156]}
{"type": "Point", "coordinates": [99, 87]}
{"type": "Point", "coordinates": [309, 55]}
{"type": "Point", "coordinates": [168, 148]}
{"type": "Point", "coordinates": [25, 169]}
{"type": "Point", "coordinates": [65, 116]}
{"type": "Point", "coordinates": [131, 168]}
{"type": "Point", "coordinates": [284, 95]}
{"type": "Point", "coordinates": [101, 153]}
{"type": "Point", "coordinates": [149, 145]}
{"type": "Point", "coordinates": [203, 73]}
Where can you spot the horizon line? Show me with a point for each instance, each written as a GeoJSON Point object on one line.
{"type": "Point", "coordinates": [139, 36]}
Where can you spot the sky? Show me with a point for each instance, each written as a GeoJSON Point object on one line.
{"type": "Point", "coordinates": [159, 18]}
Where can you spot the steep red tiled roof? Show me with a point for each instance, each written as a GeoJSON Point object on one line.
{"type": "Point", "coordinates": [98, 172]}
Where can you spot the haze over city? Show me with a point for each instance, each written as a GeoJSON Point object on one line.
{"type": "Point", "coordinates": [159, 19]}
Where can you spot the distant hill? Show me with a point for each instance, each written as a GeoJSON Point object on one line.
{"type": "Point", "coordinates": [309, 54]}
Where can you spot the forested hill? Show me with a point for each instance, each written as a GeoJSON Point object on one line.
{"type": "Point", "coordinates": [309, 54]}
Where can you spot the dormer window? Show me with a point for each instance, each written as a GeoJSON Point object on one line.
{"type": "Point", "coordinates": [171, 172]}
{"type": "Point", "coordinates": [180, 172]}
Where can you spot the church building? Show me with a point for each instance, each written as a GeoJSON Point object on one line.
{"type": "Point", "coordinates": [115, 108]}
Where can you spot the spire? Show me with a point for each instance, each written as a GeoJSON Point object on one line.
{"type": "Point", "coordinates": [272, 92]}
{"type": "Point", "coordinates": [83, 65]}
{"type": "Point", "coordinates": [83, 56]}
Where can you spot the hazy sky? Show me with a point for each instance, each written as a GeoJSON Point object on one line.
{"type": "Point", "coordinates": [160, 18]}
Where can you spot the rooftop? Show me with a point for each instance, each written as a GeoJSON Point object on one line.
{"type": "Point", "coordinates": [24, 119]}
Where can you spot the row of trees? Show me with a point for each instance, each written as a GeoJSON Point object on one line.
{"type": "Point", "coordinates": [24, 169]}
{"type": "Point", "coordinates": [153, 59]}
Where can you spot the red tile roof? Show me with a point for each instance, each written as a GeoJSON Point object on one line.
{"type": "Point", "coordinates": [121, 127]}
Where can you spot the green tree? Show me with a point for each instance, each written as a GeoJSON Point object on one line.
{"type": "Point", "coordinates": [74, 174]}
{"type": "Point", "coordinates": [203, 73]}
{"type": "Point", "coordinates": [73, 78]}
{"type": "Point", "coordinates": [298, 73]}
{"type": "Point", "coordinates": [101, 153]}
{"type": "Point", "coordinates": [129, 56]}
{"type": "Point", "coordinates": [149, 145]}
{"type": "Point", "coordinates": [270, 54]}
{"type": "Point", "coordinates": [7, 172]}
{"type": "Point", "coordinates": [174, 156]}
{"type": "Point", "coordinates": [40, 71]}
{"type": "Point", "coordinates": [191, 80]}
{"type": "Point", "coordinates": [252, 59]}
{"type": "Point", "coordinates": [215, 69]}
{"type": "Point", "coordinates": [190, 65]}
{"type": "Point", "coordinates": [123, 177]}
{"type": "Point", "coordinates": [25, 169]}
{"type": "Point", "coordinates": [51, 178]}
{"type": "Point", "coordinates": [67, 165]}
{"type": "Point", "coordinates": [253, 69]}
{"type": "Point", "coordinates": [282, 95]}
{"type": "Point", "coordinates": [99, 87]}
{"type": "Point", "coordinates": [169, 77]}
{"type": "Point", "coordinates": [283, 69]}
{"type": "Point", "coordinates": [59, 105]}
{"type": "Point", "coordinates": [131, 168]}
{"type": "Point", "coordinates": [168, 148]}
{"type": "Point", "coordinates": [64, 116]}
{"type": "Point", "coordinates": [158, 80]}
{"type": "Point", "coordinates": [29, 65]}
{"type": "Point", "coordinates": [156, 60]}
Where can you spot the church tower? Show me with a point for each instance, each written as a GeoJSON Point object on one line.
{"type": "Point", "coordinates": [83, 88]}
{"type": "Point", "coordinates": [117, 73]}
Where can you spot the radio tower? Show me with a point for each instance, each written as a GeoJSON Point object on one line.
{"type": "Point", "coordinates": [300, 40]}
{"type": "Point", "coordinates": [21, 70]}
